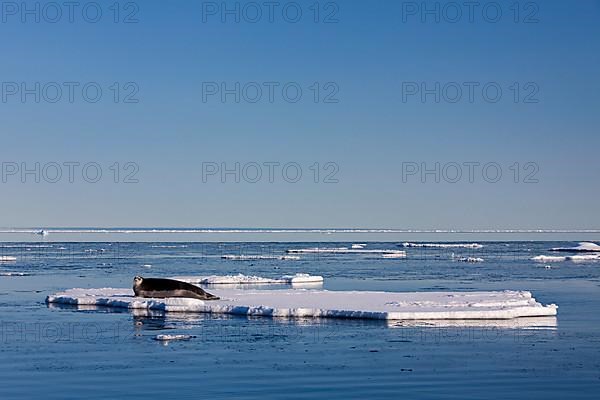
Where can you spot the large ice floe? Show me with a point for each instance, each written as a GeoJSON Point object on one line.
{"type": "Point", "coordinates": [250, 279]}
{"type": "Point", "coordinates": [8, 258]}
{"type": "Point", "coordinates": [303, 303]}
{"type": "Point", "coordinates": [583, 246]}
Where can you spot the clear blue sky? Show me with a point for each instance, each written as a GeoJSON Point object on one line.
{"type": "Point", "coordinates": [368, 133]}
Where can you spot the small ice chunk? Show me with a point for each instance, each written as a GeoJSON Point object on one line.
{"type": "Point", "coordinates": [469, 259]}
{"type": "Point", "coordinates": [168, 338]}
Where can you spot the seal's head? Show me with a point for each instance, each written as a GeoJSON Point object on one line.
{"type": "Point", "coordinates": [137, 281]}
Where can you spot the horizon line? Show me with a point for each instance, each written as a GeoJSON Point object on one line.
{"type": "Point", "coordinates": [93, 229]}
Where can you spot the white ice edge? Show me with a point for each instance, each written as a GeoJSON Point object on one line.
{"type": "Point", "coordinates": [167, 338]}
{"type": "Point", "coordinates": [249, 279]}
{"type": "Point", "coordinates": [304, 303]}
{"type": "Point", "coordinates": [444, 245]}
{"type": "Point", "coordinates": [583, 246]}
{"type": "Point", "coordinates": [469, 259]}
{"type": "Point", "coordinates": [576, 258]}
{"type": "Point", "coordinates": [394, 255]}
{"type": "Point", "coordinates": [7, 258]}
{"type": "Point", "coordinates": [244, 257]}
{"type": "Point", "coordinates": [345, 250]}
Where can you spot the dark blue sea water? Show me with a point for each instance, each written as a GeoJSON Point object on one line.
{"type": "Point", "coordinates": [62, 353]}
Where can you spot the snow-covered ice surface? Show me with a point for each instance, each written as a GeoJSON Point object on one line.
{"type": "Point", "coordinates": [444, 245]}
{"type": "Point", "coordinates": [583, 246]}
{"type": "Point", "coordinates": [293, 303]}
{"type": "Point", "coordinates": [243, 257]}
{"type": "Point", "coordinates": [249, 279]}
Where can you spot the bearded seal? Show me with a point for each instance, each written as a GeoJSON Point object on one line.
{"type": "Point", "coordinates": [162, 288]}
